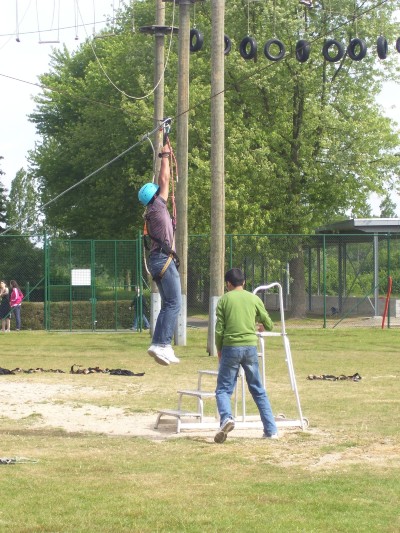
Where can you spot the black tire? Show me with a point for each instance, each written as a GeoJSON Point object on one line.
{"type": "Point", "coordinates": [398, 44]}
{"type": "Point", "coordinates": [279, 55]}
{"type": "Point", "coordinates": [382, 47]}
{"type": "Point", "coordinates": [244, 52]}
{"type": "Point", "coordinates": [303, 49]}
{"type": "Point", "coordinates": [196, 40]}
{"type": "Point", "coordinates": [228, 45]}
{"type": "Point", "coordinates": [351, 49]}
{"type": "Point", "coordinates": [339, 54]}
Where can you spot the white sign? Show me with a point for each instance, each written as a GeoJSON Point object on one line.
{"type": "Point", "coordinates": [81, 277]}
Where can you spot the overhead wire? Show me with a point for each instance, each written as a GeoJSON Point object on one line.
{"type": "Point", "coordinates": [146, 136]}
{"type": "Point", "coordinates": [40, 209]}
{"type": "Point", "coordinates": [60, 91]}
{"type": "Point", "coordinates": [132, 97]}
{"type": "Point", "coordinates": [46, 30]}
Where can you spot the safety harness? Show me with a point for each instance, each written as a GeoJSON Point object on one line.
{"type": "Point", "coordinates": [164, 247]}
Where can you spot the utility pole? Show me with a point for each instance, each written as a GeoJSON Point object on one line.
{"type": "Point", "coordinates": [217, 251]}
{"type": "Point", "coordinates": [159, 30]}
{"type": "Point", "coordinates": [182, 159]}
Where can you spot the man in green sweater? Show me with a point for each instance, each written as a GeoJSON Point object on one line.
{"type": "Point", "coordinates": [238, 311]}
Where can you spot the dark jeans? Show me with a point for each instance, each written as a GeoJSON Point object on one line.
{"type": "Point", "coordinates": [17, 313]}
{"type": "Point", "coordinates": [171, 300]}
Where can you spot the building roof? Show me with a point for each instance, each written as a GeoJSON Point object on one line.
{"type": "Point", "coordinates": [361, 225]}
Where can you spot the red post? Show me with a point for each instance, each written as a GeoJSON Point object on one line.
{"type": "Point", "coordinates": [389, 292]}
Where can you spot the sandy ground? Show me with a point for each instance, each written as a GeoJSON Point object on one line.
{"type": "Point", "coordinates": [76, 409]}
{"type": "Point", "coordinates": [45, 405]}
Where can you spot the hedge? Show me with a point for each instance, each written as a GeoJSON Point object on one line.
{"type": "Point", "coordinates": [76, 315]}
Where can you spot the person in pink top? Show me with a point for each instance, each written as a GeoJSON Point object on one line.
{"type": "Point", "coordinates": [16, 298]}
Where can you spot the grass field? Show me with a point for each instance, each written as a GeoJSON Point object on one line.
{"type": "Point", "coordinates": [340, 475]}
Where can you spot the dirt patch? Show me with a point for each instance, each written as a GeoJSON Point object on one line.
{"type": "Point", "coordinates": [76, 409]}
{"type": "Point", "coordinates": [45, 405]}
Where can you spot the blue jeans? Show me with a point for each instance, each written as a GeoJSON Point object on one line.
{"type": "Point", "coordinates": [145, 322]}
{"type": "Point", "coordinates": [171, 300]}
{"type": "Point", "coordinates": [232, 358]}
{"type": "Point", "coordinates": [17, 313]}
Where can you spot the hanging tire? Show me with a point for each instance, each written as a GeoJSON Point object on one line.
{"type": "Point", "coordinates": [382, 47]}
{"type": "Point", "coordinates": [228, 45]}
{"type": "Point", "coordinates": [353, 45]}
{"type": "Point", "coordinates": [339, 47]}
{"type": "Point", "coordinates": [279, 55]}
{"type": "Point", "coordinates": [248, 48]}
{"type": "Point", "coordinates": [303, 49]}
{"type": "Point", "coordinates": [398, 44]}
{"type": "Point", "coordinates": [196, 40]}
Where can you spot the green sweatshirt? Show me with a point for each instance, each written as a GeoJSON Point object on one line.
{"type": "Point", "coordinates": [237, 314]}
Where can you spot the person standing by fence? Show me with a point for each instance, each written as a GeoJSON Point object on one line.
{"type": "Point", "coordinates": [16, 298]}
{"type": "Point", "coordinates": [5, 308]}
{"type": "Point", "coordinates": [139, 303]}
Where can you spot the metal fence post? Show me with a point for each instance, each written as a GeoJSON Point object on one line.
{"type": "Point", "coordinates": [46, 282]}
{"type": "Point", "coordinates": [324, 274]}
{"type": "Point", "coordinates": [93, 282]}
{"type": "Point", "coordinates": [139, 284]}
{"type": "Point", "coordinates": [388, 274]}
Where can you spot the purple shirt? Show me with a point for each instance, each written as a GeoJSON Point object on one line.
{"type": "Point", "coordinates": [159, 223]}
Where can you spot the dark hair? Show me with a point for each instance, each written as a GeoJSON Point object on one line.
{"type": "Point", "coordinates": [235, 276]}
{"type": "Point", "coordinates": [14, 284]}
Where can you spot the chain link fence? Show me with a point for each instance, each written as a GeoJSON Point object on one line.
{"type": "Point", "coordinates": [90, 284]}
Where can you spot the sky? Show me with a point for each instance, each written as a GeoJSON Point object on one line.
{"type": "Point", "coordinates": [23, 61]}
{"type": "Point", "coordinates": [70, 22]}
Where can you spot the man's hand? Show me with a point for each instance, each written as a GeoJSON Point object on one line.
{"type": "Point", "coordinates": [260, 328]}
{"type": "Point", "coordinates": [219, 355]}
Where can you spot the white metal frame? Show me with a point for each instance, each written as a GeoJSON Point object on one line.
{"type": "Point", "coordinates": [301, 421]}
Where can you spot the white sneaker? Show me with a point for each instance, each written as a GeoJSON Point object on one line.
{"type": "Point", "coordinates": [171, 354]}
{"type": "Point", "coordinates": [222, 433]}
{"type": "Point", "coordinates": [159, 354]}
{"type": "Point", "coordinates": [273, 436]}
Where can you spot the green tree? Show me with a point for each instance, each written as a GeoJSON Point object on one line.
{"type": "Point", "coordinates": [387, 207]}
{"type": "Point", "coordinates": [85, 122]}
{"type": "Point", "coordinates": [22, 210]}
{"type": "Point", "coordinates": [3, 204]}
{"type": "Point", "coordinates": [306, 143]}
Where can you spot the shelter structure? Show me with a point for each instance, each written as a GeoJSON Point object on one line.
{"type": "Point", "coordinates": [358, 231]}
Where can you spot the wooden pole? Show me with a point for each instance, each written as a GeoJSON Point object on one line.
{"type": "Point", "coordinates": [217, 251]}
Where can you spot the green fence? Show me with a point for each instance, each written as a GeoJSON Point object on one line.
{"type": "Point", "coordinates": [90, 284]}
{"type": "Point", "coordinates": [73, 284]}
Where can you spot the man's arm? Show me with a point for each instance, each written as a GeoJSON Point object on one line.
{"type": "Point", "coordinates": [164, 175]}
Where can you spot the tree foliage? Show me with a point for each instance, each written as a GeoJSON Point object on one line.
{"type": "Point", "coordinates": [305, 142]}
{"type": "Point", "coordinates": [22, 209]}
{"type": "Point", "coordinates": [3, 203]}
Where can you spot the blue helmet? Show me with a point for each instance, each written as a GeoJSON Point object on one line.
{"type": "Point", "coordinates": [147, 192]}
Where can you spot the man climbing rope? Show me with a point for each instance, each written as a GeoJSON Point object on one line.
{"type": "Point", "coordinates": [163, 261]}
